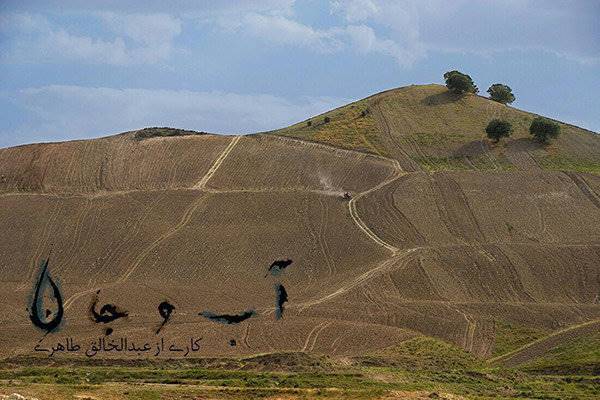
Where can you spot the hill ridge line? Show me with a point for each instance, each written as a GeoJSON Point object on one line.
{"type": "Point", "coordinates": [375, 98]}
{"type": "Point", "coordinates": [201, 184]}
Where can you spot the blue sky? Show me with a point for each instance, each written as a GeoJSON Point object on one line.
{"type": "Point", "coordinates": [77, 69]}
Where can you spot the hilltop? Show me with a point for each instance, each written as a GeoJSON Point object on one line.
{"type": "Point", "coordinates": [426, 127]}
{"type": "Point", "coordinates": [493, 249]}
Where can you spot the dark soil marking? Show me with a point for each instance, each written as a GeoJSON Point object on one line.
{"type": "Point", "coordinates": [281, 297]}
{"type": "Point", "coordinates": [227, 318]}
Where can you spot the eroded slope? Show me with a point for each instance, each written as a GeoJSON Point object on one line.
{"type": "Point", "coordinates": [204, 243]}
{"type": "Point", "coordinates": [198, 220]}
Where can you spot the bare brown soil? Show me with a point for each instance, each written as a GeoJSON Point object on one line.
{"type": "Point", "coordinates": [197, 221]}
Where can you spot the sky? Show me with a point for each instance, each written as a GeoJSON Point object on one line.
{"type": "Point", "coordinates": [76, 69]}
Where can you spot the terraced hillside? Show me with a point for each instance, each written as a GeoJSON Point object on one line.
{"type": "Point", "coordinates": [399, 219]}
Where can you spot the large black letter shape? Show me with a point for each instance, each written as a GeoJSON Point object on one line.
{"type": "Point", "coordinates": [37, 314]}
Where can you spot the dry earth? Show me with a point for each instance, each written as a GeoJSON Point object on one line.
{"type": "Point", "coordinates": [198, 220]}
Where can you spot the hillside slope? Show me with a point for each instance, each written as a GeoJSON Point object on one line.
{"type": "Point", "coordinates": [425, 127]}
{"type": "Point", "coordinates": [488, 254]}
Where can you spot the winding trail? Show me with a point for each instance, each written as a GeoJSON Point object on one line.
{"type": "Point", "coordinates": [386, 265]}
{"type": "Point", "coordinates": [360, 223]}
{"type": "Point", "coordinates": [314, 341]}
{"type": "Point", "coordinates": [470, 333]}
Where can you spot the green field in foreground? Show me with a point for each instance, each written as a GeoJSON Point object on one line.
{"type": "Point", "coordinates": [356, 383]}
{"type": "Point", "coordinates": [418, 368]}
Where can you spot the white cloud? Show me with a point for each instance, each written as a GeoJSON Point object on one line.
{"type": "Point", "coordinates": [281, 30]}
{"type": "Point", "coordinates": [567, 29]}
{"type": "Point", "coordinates": [178, 7]}
{"type": "Point", "coordinates": [229, 16]}
{"type": "Point", "coordinates": [404, 29]}
{"type": "Point", "coordinates": [154, 34]}
{"type": "Point", "coordinates": [366, 41]}
{"type": "Point", "coordinates": [140, 39]}
{"type": "Point", "coordinates": [59, 112]}
{"type": "Point", "coordinates": [62, 45]}
{"type": "Point", "coordinates": [26, 23]}
{"type": "Point", "coordinates": [355, 10]}
{"type": "Point", "coordinates": [149, 29]}
{"type": "Point", "coordinates": [400, 17]}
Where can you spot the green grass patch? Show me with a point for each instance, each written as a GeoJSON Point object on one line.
{"type": "Point", "coordinates": [420, 364]}
{"type": "Point", "coordinates": [147, 133]}
{"type": "Point", "coordinates": [581, 356]}
{"type": "Point", "coordinates": [439, 139]}
{"type": "Point", "coordinates": [510, 336]}
{"type": "Point", "coordinates": [432, 126]}
{"type": "Point", "coordinates": [564, 163]}
{"type": "Point", "coordinates": [422, 353]}
{"type": "Point", "coordinates": [199, 376]}
{"type": "Point", "coordinates": [351, 127]}
{"type": "Point", "coordinates": [433, 164]}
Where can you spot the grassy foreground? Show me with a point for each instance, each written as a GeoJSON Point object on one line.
{"type": "Point", "coordinates": [420, 368]}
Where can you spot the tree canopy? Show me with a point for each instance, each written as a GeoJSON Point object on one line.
{"type": "Point", "coordinates": [543, 129]}
{"type": "Point", "coordinates": [459, 83]}
{"type": "Point", "coordinates": [501, 93]}
{"type": "Point", "coordinates": [497, 129]}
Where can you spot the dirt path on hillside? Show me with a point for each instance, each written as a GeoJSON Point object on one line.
{"type": "Point", "coordinates": [398, 172]}
{"type": "Point", "coordinates": [202, 182]}
{"type": "Point", "coordinates": [185, 219]}
{"type": "Point", "coordinates": [360, 223]}
{"type": "Point", "coordinates": [520, 153]}
{"type": "Point", "coordinates": [401, 155]}
{"type": "Point", "coordinates": [585, 188]}
{"type": "Point", "coordinates": [541, 346]}
{"type": "Point", "coordinates": [455, 210]}
{"type": "Point", "coordinates": [385, 266]}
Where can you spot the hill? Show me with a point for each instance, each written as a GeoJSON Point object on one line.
{"type": "Point", "coordinates": [486, 248]}
{"type": "Point", "coordinates": [427, 128]}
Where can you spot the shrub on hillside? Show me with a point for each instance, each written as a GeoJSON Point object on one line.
{"type": "Point", "coordinates": [147, 133]}
{"type": "Point", "coordinates": [497, 129]}
{"type": "Point", "coordinates": [459, 83]}
{"type": "Point", "coordinates": [326, 120]}
{"type": "Point", "coordinates": [543, 129]}
{"type": "Point", "coordinates": [501, 93]}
